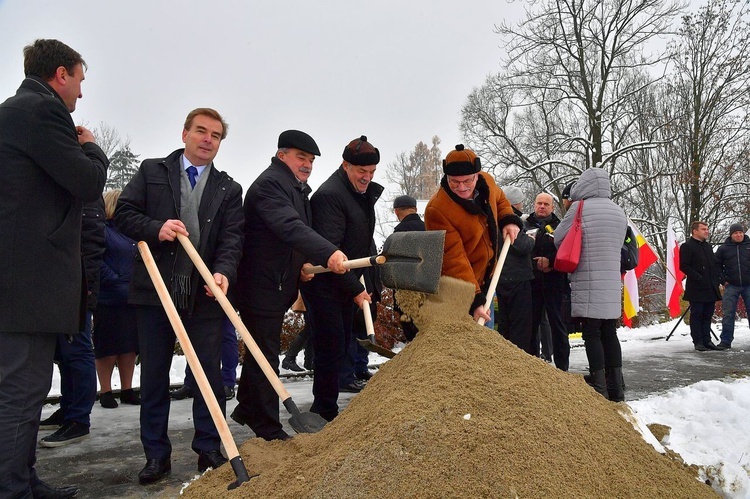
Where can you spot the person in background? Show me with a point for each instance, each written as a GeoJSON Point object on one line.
{"type": "Point", "coordinates": [115, 331]}
{"type": "Point", "coordinates": [405, 208]}
{"type": "Point", "coordinates": [549, 286]}
{"type": "Point", "coordinates": [514, 286]}
{"type": "Point", "coordinates": [303, 339]}
{"type": "Point", "coordinates": [343, 212]}
{"type": "Point", "coordinates": [49, 169]}
{"type": "Point", "coordinates": [186, 194]}
{"type": "Point", "coordinates": [279, 242]}
{"type": "Point", "coordinates": [476, 216]}
{"type": "Point", "coordinates": [698, 263]}
{"type": "Point", "coordinates": [595, 284]}
{"type": "Point", "coordinates": [733, 260]}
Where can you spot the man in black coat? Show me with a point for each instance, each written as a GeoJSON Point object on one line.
{"type": "Point", "coordinates": [49, 168]}
{"type": "Point", "coordinates": [279, 240]}
{"type": "Point", "coordinates": [183, 193]}
{"type": "Point", "coordinates": [702, 287]}
{"type": "Point", "coordinates": [344, 213]}
{"type": "Point", "coordinates": [549, 286]}
{"type": "Point", "coordinates": [733, 260]}
{"type": "Point", "coordinates": [405, 208]}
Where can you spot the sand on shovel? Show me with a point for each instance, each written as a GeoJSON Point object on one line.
{"type": "Point", "coordinates": [461, 412]}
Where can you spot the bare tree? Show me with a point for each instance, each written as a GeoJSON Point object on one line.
{"type": "Point", "coordinates": [109, 138]}
{"type": "Point", "coordinates": [123, 163]}
{"type": "Point", "coordinates": [418, 172]}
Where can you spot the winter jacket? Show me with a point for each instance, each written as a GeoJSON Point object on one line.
{"type": "Point", "coordinates": [151, 198]}
{"type": "Point", "coordinates": [410, 222]}
{"type": "Point", "coordinates": [595, 285]}
{"type": "Point", "coordinates": [346, 218]}
{"type": "Point", "coordinates": [473, 229]}
{"type": "Point", "coordinates": [116, 267]}
{"type": "Point", "coordinates": [698, 264]}
{"type": "Point", "coordinates": [278, 239]}
{"type": "Point", "coordinates": [544, 246]}
{"type": "Point", "coordinates": [92, 247]}
{"type": "Point", "coordinates": [46, 177]}
{"type": "Point", "coordinates": [733, 260]}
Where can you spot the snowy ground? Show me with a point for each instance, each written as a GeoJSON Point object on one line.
{"type": "Point", "coordinates": [708, 419]}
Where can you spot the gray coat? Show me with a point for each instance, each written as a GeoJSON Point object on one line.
{"type": "Point", "coordinates": [596, 286]}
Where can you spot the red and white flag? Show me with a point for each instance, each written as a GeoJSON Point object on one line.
{"type": "Point", "coordinates": [646, 258]}
{"type": "Point", "coordinates": [674, 275]}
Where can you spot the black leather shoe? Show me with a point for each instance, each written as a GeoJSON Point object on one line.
{"type": "Point", "coordinates": [211, 459]}
{"type": "Point", "coordinates": [700, 348]}
{"type": "Point", "coordinates": [353, 387]}
{"type": "Point", "coordinates": [291, 365]}
{"type": "Point", "coordinates": [184, 392]}
{"type": "Point", "coordinates": [723, 346]}
{"type": "Point", "coordinates": [363, 375]}
{"type": "Point", "coordinates": [229, 392]}
{"type": "Point", "coordinates": [711, 346]}
{"type": "Point", "coordinates": [41, 490]}
{"type": "Point", "coordinates": [154, 470]}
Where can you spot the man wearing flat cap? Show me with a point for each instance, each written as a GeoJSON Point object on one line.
{"type": "Point", "coordinates": [344, 213]}
{"type": "Point", "coordinates": [279, 241]}
{"type": "Point", "coordinates": [476, 216]}
{"type": "Point", "coordinates": [405, 208]}
{"type": "Point", "coordinates": [733, 260]}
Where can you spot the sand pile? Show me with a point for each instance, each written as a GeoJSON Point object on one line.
{"type": "Point", "coordinates": [461, 412]}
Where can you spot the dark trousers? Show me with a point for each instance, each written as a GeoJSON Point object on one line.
{"type": "Point", "coordinates": [75, 357]}
{"type": "Point", "coordinates": [157, 339]}
{"type": "Point", "coordinates": [258, 401]}
{"type": "Point", "coordinates": [729, 303]}
{"type": "Point", "coordinates": [230, 357]}
{"type": "Point", "coordinates": [25, 380]}
{"type": "Point", "coordinates": [331, 319]}
{"type": "Point", "coordinates": [550, 299]}
{"type": "Point", "coordinates": [513, 319]}
{"type": "Point", "coordinates": [356, 356]}
{"type": "Point", "coordinates": [602, 345]}
{"type": "Point", "coordinates": [701, 313]}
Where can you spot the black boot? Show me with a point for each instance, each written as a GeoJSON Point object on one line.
{"type": "Point", "coordinates": [615, 384]}
{"type": "Point", "coordinates": [598, 382]}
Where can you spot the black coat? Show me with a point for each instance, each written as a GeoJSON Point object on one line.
{"type": "Point", "coordinates": [698, 264]}
{"type": "Point", "coordinates": [410, 222]}
{"type": "Point", "coordinates": [46, 177]}
{"type": "Point", "coordinates": [544, 246]}
{"type": "Point", "coordinates": [92, 247]}
{"type": "Point", "coordinates": [346, 218]}
{"type": "Point", "coordinates": [278, 240]}
{"type": "Point", "coordinates": [151, 198]}
{"type": "Point", "coordinates": [733, 260]}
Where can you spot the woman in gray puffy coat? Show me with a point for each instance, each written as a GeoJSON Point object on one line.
{"type": "Point", "coordinates": [596, 285]}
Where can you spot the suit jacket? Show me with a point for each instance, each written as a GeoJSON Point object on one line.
{"type": "Point", "coordinates": [45, 177]}
{"type": "Point", "coordinates": [151, 198]}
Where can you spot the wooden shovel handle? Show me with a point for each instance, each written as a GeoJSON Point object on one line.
{"type": "Point", "coordinates": [357, 263]}
{"type": "Point", "coordinates": [495, 277]}
{"type": "Point", "coordinates": [368, 314]}
{"type": "Point", "coordinates": [234, 317]}
{"type": "Point", "coordinates": [190, 355]}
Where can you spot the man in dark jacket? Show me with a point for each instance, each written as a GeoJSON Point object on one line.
{"type": "Point", "coordinates": [49, 169]}
{"type": "Point", "coordinates": [183, 193]}
{"type": "Point", "coordinates": [549, 286]}
{"type": "Point", "coordinates": [279, 240]}
{"type": "Point", "coordinates": [344, 213]}
{"type": "Point", "coordinates": [733, 260]}
{"type": "Point", "coordinates": [702, 289]}
{"type": "Point", "coordinates": [75, 356]}
{"type": "Point", "coordinates": [405, 208]}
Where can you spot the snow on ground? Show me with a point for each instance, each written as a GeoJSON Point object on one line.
{"type": "Point", "coordinates": [708, 420]}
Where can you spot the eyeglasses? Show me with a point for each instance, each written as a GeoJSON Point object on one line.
{"type": "Point", "coordinates": [468, 183]}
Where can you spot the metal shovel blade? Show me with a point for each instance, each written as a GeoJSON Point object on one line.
{"type": "Point", "coordinates": [303, 422]}
{"type": "Point", "coordinates": [414, 260]}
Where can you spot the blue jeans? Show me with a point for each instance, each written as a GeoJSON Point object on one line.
{"type": "Point", "coordinates": [729, 301]}
{"type": "Point", "coordinates": [77, 374]}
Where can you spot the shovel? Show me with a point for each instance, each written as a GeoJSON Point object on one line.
{"type": "Point", "coordinates": [200, 376]}
{"type": "Point", "coordinates": [302, 422]}
{"type": "Point", "coordinates": [370, 343]}
{"type": "Point", "coordinates": [495, 277]}
{"type": "Point", "coordinates": [409, 260]}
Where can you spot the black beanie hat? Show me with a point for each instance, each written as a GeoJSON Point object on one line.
{"type": "Point", "coordinates": [460, 162]}
{"type": "Point", "coordinates": [735, 228]}
{"type": "Point", "coordinates": [404, 202]}
{"type": "Point", "coordinates": [566, 190]}
{"type": "Point", "coordinates": [298, 140]}
{"type": "Point", "coordinates": [361, 153]}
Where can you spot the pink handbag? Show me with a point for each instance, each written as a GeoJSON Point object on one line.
{"type": "Point", "coordinates": [569, 252]}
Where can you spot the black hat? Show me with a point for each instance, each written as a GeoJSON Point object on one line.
{"type": "Point", "coordinates": [361, 153]}
{"type": "Point", "coordinates": [566, 190]}
{"type": "Point", "coordinates": [404, 202]}
{"type": "Point", "coordinates": [738, 227]}
{"type": "Point", "coordinates": [298, 140]}
{"type": "Point", "coordinates": [460, 162]}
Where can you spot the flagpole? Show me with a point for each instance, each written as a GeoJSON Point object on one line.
{"type": "Point", "coordinates": [678, 323]}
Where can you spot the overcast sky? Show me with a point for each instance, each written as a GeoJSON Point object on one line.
{"type": "Point", "coordinates": [396, 71]}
